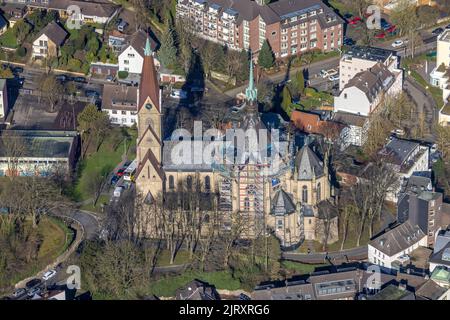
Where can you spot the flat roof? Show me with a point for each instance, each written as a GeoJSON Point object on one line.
{"type": "Point", "coordinates": [369, 53]}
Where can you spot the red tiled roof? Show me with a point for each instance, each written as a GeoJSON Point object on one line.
{"type": "Point", "coordinates": [307, 122]}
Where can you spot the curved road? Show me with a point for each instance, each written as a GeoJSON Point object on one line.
{"type": "Point", "coordinates": [359, 253]}
{"type": "Point", "coordinates": [89, 221]}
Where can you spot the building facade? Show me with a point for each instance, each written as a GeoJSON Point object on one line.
{"type": "Point", "coordinates": [4, 106]}
{"type": "Point", "coordinates": [120, 102]}
{"type": "Point", "coordinates": [267, 194]}
{"type": "Point", "coordinates": [49, 41]}
{"type": "Point", "coordinates": [290, 26]}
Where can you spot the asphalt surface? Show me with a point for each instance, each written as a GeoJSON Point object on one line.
{"type": "Point", "coordinates": [359, 253]}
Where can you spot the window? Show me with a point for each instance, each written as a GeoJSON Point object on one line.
{"type": "Point", "coordinates": [131, 55]}
{"type": "Point", "coordinates": [114, 112]}
{"type": "Point", "coordinates": [319, 195]}
{"type": "Point", "coordinates": [274, 33]}
{"type": "Point", "coordinates": [171, 183]}
{"type": "Point", "coordinates": [189, 182]}
{"type": "Point", "coordinates": [124, 112]}
{"type": "Point", "coordinates": [345, 96]}
{"type": "Point", "coordinates": [126, 61]}
{"type": "Point", "coordinates": [247, 204]}
{"type": "Point", "coordinates": [305, 194]}
{"type": "Point", "coordinates": [207, 183]}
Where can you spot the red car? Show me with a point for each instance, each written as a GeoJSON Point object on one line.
{"type": "Point", "coordinates": [391, 29]}
{"type": "Point", "coordinates": [354, 20]}
{"type": "Point", "coordinates": [380, 35]}
{"type": "Point", "coordinates": [120, 172]}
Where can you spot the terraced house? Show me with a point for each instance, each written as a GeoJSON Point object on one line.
{"type": "Point", "coordinates": [290, 26]}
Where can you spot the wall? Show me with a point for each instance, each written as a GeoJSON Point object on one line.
{"type": "Point", "coordinates": [134, 63]}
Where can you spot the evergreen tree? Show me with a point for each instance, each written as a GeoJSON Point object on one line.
{"type": "Point", "coordinates": [266, 58]}
{"type": "Point", "coordinates": [300, 82]}
{"type": "Point", "coordinates": [287, 101]}
{"type": "Point", "coordinates": [168, 52]}
{"type": "Point", "coordinates": [244, 63]}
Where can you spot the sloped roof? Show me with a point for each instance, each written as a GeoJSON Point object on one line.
{"type": "Point", "coordinates": [282, 203]}
{"type": "Point", "coordinates": [308, 164]}
{"type": "Point", "coordinates": [137, 41]}
{"type": "Point", "coordinates": [398, 239]}
{"type": "Point", "coordinates": [119, 97]}
{"type": "Point", "coordinates": [430, 290]}
{"type": "Point", "coordinates": [305, 121]}
{"type": "Point", "coordinates": [149, 85]}
{"type": "Point", "coordinates": [54, 32]}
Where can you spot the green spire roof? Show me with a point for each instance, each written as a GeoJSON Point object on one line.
{"type": "Point", "coordinates": [148, 48]}
{"type": "Point", "coordinates": [251, 92]}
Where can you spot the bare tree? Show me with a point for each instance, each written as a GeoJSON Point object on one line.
{"type": "Point", "coordinates": [51, 90]}
{"type": "Point", "coordinates": [14, 147]}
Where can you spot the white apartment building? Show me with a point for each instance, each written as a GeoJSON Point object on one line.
{"type": "Point", "coordinates": [132, 56]}
{"type": "Point", "coordinates": [367, 89]}
{"type": "Point", "coordinates": [4, 107]}
{"type": "Point", "coordinates": [392, 247]}
{"type": "Point", "coordinates": [360, 59]}
{"type": "Point", "coordinates": [120, 102]}
{"type": "Point", "coordinates": [439, 75]}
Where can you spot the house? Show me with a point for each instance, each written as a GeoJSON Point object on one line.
{"type": "Point", "coordinates": [444, 114]}
{"type": "Point", "coordinates": [90, 11]}
{"type": "Point", "coordinates": [104, 69]}
{"type": "Point", "coordinates": [197, 290]}
{"type": "Point", "coordinates": [421, 207]}
{"type": "Point", "coordinates": [393, 292]}
{"type": "Point", "coordinates": [3, 24]}
{"type": "Point", "coordinates": [4, 106]}
{"type": "Point", "coordinates": [439, 75]}
{"type": "Point", "coordinates": [116, 41]}
{"type": "Point", "coordinates": [362, 58]}
{"type": "Point", "coordinates": [290, 27]}
{"type": "Point", "coordinates": [131, 58]}
{"type": "Point", "coordinates": [390, 248]}
{"type": "Point", "coordinates": [441, 275]}
{"type": "Point", "coordinates": [14, 12]}
{"type": "Point", "coordinates": [120, 102]}
{"type": "Point", "coordinates": [49, 41]}
{"type": "Point", "coordinates": [365, 92]}
{"type": "Point", "coordinates": [406, 158]}
{"type": "Point", "coordinates": [355, 128]}
{"type": "Point", "coordinates": [45, 152]}
{"type": "Point", "coordinates": [430, 290]}
{"type": "Point", "coordinates": [441, 251]}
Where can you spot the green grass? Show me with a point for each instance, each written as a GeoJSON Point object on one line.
{"type": "Point", "coordinates": [436, 93]}
{"type": "Point", "coordinates": [340, 7]}
{"type": "Point", "coordinates": [105, 159]}
{"type": "Point", "coordinates": [300, 268]}
{"type": "Point", "coordinates": [182, 257]}
{"type": "Point", "coordinates": [167, 287]}
{"type": "Point", "coordinates": [98, 208]}
{"type": "Point", "coordinates": [8, 39]}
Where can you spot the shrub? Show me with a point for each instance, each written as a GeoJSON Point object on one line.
{"type": "Point", "coordinates": [21, 52]}
{"type": "Point", "coordinates": [122, 74]}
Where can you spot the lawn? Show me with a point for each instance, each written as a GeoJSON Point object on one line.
{"type": "Point", "coordinates": [8, 39]}
{"type": "Point", "coordinates": [105, 159]}
{"type": "Point", "coordinates": [300, 268]}
{"type": "Point", "coordinates": [182, 257]}
{"type": "Point", "coordinates": [167, 287]}
{"type": "Point", "coordinates": [435, 92]}
{"type": "Point", "coordinates": [103, 199]}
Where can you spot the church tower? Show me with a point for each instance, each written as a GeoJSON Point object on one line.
{"type": "Point", "coordinates": [149, 175]}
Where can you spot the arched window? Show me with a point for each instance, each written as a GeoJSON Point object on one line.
{"type": "Point", "coordinates": [189, 182]}
{"type": "Point", "coordinates": [171, 183]}
{"type": "Point", "coordinates": [207, 183]}
{"type": "Point", "coordinates": [305, 194]}
{"type": "Point", "coordinates": [319, 192]}
{"type": "Point", "coordinates": [247, 204]}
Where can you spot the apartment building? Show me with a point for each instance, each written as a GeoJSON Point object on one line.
{"type": "Point", "coordinates": [361, 58]}
{"type": "Point", "coordinates": [290, 26]}
{"type": "Point", "coordinates": [4, 107]}
{"type": "Point", "coordinates": [120, 102]}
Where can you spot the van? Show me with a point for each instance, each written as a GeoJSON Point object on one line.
{"type": "Point", "coordinates": [118, 192]}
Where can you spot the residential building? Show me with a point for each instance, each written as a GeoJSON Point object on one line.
{"type": "Point", "coordinates": [3, 24]}
{"type": "Point", "coordinates": [197, 290]}
{"type": "Point", "coordinates": [355, 128]}
{"type": "Point", "coordinates": [430, 290]}
{"type": "Point", "coordinates": [120, 102]}
{"type": "Point", "coordinates": [131, 58]}
{"type": "Point", "coordinates": [393, 292]}
{"type": "Point", "coordinates": [438, 76]}
{"type": "Point", "coordinates": [45, 152]}
{"type": "Point", "coordinates": [117, 41]}
{"type": "Point", "coordinates": [365, 92]}
{"type": "Point", "coordinates": [423, 208]}
{"type": "Point", "coordinates": [441, 275]}
{"type": "Point", "coordinates": [361, 58]}
{"type": "Point", "coordinates": [290, 26]}
{"type": "Point", "coordinates": [90, 11]}
{"type": "Point", "coordinates": [444, 114]}
{"type": "Point", "coordinates": [407, 158]}
{"type": "Point", "coordinates": [104, 69]}
{"type": "Point", "coordinates": [48, 41]}
{"type": "Point", "coordinates": [4, 106]}
{"type": "Point", "coordinates": [389, 248]}
{"type": "Point", "coordinates": [14, 12]}
{"type": "Point", "coordinates": [441, 251]}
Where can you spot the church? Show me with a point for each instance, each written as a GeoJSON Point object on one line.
{"type": "Point", "coordinates": [285, 201]}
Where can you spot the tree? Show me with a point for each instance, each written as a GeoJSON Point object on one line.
{"type": "Point", "coordinates": [210, 56]}
{"type": "Point", "coordinates": [300, 83]}
{"type": "Point", "coordinates": [6, 73]}
{"type": "Point", "coordinates": [233, 64]}
{"type": "Point", "coordinates": [95, 181]}
{"type": "Point", "coordinates": [22, 30]}
{"type": "Point", "coordinates": [92, 122]}
{"type": "Point", "coordinates": [427, 15]}
{"type": "Point", "coordinates": [443, 141]}
{"type": "Point", "coordinates": [167, 53]}
{"type": "Point", "coordinates": [14, 146]}
{"type": "Point", "coordinates": [266, 58]}
{"type": "Point", "coordinates": [287, 100]}
{"type": "Point", "coordinates": [243, 73]}
{"type": "Point", "coordinates": [51, 90]}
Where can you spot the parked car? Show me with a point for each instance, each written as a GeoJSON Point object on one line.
{"type": "Point", "coordinates": [334, 77]}
{"type": "Point", "coordinates": [110, 78]}
{"type": "Point", "coordinates": [391, 29]}
{"type": "Point", "coordinates": [354, 20]}
{"type": "Point", "coordinates": [244, 297]}
{"type": "Point", "coordinates": [397, 43]}
{"type": "Point", "coordinates": [48, 275]}
{"type": "Point", "coordinates": [61, 77]}
{"type": "Point", "coordinates": [80, 79]}
{"type": "Point", "coordinates": [34, 291]}
{"type": "Point", "coordinates": [92, 94]}
{"type": "Point", "coordinates": [433, 148]}
{"type": "Point", "coordinates": [178, 94]}
{"type": "Point", "coordinates": [19, 292]}
{"type": "Point", "coordinates": [118, 191]}
{"type": "Point", "coordinates": [437, 31]}
{"type": "Point", "coordinates": [17, 70]}
{"type": "Point", "coordinates": [114, 180]}
{"type": "Point", "coordinates": [120, 172]}
{"type": "Point", "coordinates": [348, 41]}
{"type": "Point", "coordinates": [380, 35]}
{"type": "Point", "coordinates": [32, 283]}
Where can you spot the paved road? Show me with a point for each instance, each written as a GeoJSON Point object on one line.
{"type": "Point", "coordinates": [89, 221]}
{"type": "Point", "coordinates": [359, 253]}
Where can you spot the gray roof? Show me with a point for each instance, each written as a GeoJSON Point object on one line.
{"type": "Point", "coordinates": [54, 32]}
{"type": "Point", "coordinates": [392, 292]}
{"type": "Point", "coordinates": [307, 164]}
{"type": "Point", "coordinates": [137, 41]}
{"type": "Point", "coordinates": [350, 119]}
{"type": "Point", "coordinates": [282, 203]}
{"type": "Point", "coordinates": [369, 53]}
{"type": "Point", "coordinates": [399, 150]}
{"type": "Point", "coordinates": [417, 184]}
{"type": "Point", "coordinates": [89, 8]}
{"type": "Point", "coordinates": [3, 21]}
{"type": "Point", "coordinates": [292, 290]}
{"type": "Point", "coordinates": [372, 81]}
{"type": "Point", "coordinates": [397, 239]}
{"type": "Point", "coordinates": [119, 97]}
{"type": "Point", "coordinates": [442, 240]}
{"type": "Point", "coordinates": [442, 256]}
{"type": "Point", "coordinates": [307, 210]}
{"type": "Point", "coordinates": [170, 152]}
{"type": "Point", "coordinates": [430, 290]}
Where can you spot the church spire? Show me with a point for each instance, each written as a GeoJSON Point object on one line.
{"type": "Point", "coordinates": [251, 92]}
{"type": "Point", "coordinates": [148, 48]}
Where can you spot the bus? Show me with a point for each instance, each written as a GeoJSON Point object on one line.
{"type": "Point", "coordinates": [128, 175]}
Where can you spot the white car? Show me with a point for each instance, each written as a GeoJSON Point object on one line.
{"type": "Point", "coordinates": [397, 43]}
{"type": "Point", "coordinates": [48, 275]}
{"type": "Point", "coordinates": [334, 77]}
{"type": "Point", "coordinates": [178, 94]}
